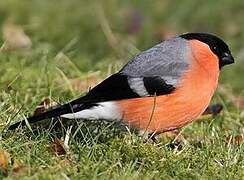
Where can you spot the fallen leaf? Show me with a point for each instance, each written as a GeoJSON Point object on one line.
{"type": "Point", "coordinates": [4, 161]}
{"type": "Point", "coordinates": [18, 167]}
{"type": "Point", "coordinates": [14, 37]}
{"type": "Point", "coordinates": [45, 104]}
{"type": "Point", "coordinates": [213, 109]}
{"type": "Point", "coordinates": [238, 139]}
{"type": "Point", "coordinates": [57, 147]}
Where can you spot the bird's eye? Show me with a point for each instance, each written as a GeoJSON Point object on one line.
{"type": "Point", "coordinates": [215, 48]}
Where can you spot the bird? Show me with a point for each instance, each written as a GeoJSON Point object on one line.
{"type": "Point", "coordinates": [161, 89]}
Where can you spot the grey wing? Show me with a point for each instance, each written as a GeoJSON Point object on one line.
{"type": "Point", "coordinates": [167, 60]}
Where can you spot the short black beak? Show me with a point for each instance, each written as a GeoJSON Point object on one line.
{"type": "Point", "coordinates": [227, 59]}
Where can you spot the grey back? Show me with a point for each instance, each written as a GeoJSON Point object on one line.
{"type": "Point", "coordinates": [168, 60]}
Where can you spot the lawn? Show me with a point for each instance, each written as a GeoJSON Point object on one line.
{"type": "Point", "coordinates": [58, 49]}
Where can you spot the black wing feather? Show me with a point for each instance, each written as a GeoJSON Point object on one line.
{"type": "Point", "coordinates": [157, 86]}
{"type": "Point", "coordinates": [113, 88]}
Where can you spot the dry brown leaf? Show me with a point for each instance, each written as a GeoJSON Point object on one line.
{"type": "Point", "coordinates": [4, 161]}
{"type": "Point", "coordinates": [238, 139]}
{"type": "Point", "coordinates": [57, 147]}
{"type": "Point", "coordinates": [14, 37]}
{"type": "Point", "coordinates": [45, 104]}
{"type": "Point", "coordinates": [18, 167]}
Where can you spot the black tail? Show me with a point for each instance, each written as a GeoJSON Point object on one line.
{"type": "Point", "coordinates": [64, 109]}
{"type": "Point", "coordinates": [71, 107]}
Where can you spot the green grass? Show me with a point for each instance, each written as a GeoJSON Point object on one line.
{"type": "Point", "coordinates": [74, 38]}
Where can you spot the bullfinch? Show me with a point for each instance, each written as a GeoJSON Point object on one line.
{"type": "Point", "coordinates": [163, 88]}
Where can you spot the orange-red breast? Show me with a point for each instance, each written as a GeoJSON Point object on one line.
{"type": "Point", "coordinates": [161, 89]}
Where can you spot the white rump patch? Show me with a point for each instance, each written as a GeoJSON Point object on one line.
{"type": "Point", "coordinates": [104, 110]}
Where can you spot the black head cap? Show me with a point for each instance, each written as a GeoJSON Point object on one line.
{"type": "Point", "coordinates": [217, 45]}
